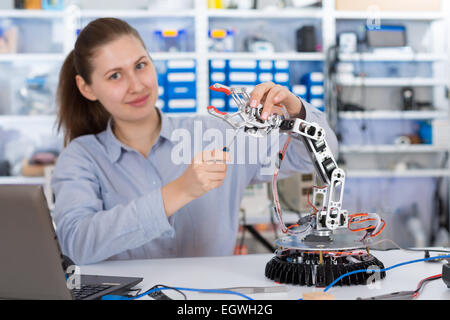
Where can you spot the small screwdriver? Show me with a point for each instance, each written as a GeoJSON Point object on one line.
{"type": "Point", "coordinates": [227, 148]}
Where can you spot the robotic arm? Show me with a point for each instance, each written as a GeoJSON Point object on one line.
{"type": "Point", "coordinates": [330, 216]}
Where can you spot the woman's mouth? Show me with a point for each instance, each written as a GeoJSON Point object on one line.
{"type": "Point", "coordinates": [139, 102]}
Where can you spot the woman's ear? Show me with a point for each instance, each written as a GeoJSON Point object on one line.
{"type": "Point", "coordinates": [84, 88]}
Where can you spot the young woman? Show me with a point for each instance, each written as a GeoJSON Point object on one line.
{"type": "Point", "coordinates": [118, 192]}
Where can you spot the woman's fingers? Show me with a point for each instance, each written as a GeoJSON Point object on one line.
{"type": "Point", "coordinates": [268, 94]}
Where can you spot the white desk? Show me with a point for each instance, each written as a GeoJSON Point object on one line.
{"type": "Point", "coordinates": [248, 270]}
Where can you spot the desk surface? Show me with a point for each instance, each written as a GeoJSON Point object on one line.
{"type": "Point", "coordinates": [248, 270]}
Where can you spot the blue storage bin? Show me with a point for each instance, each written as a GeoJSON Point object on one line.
{"type": "Point", "coordinates": [316, 91]}
{"type": "Point", "coordinates": [181, 85]}
{"type": "Point", "coordinates": [318, 103]}
{"type": "Point", "coordinates": [314, 83]}
{"type": "Point", "coordinates": [249, 78]}
{"type": "Point", "coordinates": [217, 74]}
{"type": "Point", "coordinates": [169, 40]}
{"type": "Point", "coordinates": [281, 66]}
{"type": "Point", "coordinates": [426, 132]}
{"type": "Point", "coordinates": [281, 74]}
{"type": "Point", "coordinates": [242, 65]}
{"type": "Point", "coordinates": [180, 79]}
{"type": "Point", "coordinates": [265, 66]}
{"type": "Point", "coordinates": [265, 77]}
{"type": "Point", "coordinates": [301, 91]}
{"type": "Point", "coordinates": [161, 92]}
{"type": "Point", "coordinates": [162, 85]}
{"type": "Point", "coordinates": [265, 71]}
{"type": "Point", "coordinates": [181, 105]}
{"type": "Point", "coordinates": [242, 72]}
{"type": "Point", "coordinates": [220, 104]}
{"type": "Point", "coordinates": [316, 96]}
{"type": "Point", "coordinates": [312, 78]}
{"type": "Point", "coordinates": [218, 65]}
{"type": "Point", "coordinates": [180, 65]}
{"type": "Point", "coordinates": [282, 78]}
{"type": "Point", "coordinates": [161, 104]}
{"type": "Point", "coordinates": [181, 91]}
{"type": "Point", "coordinates": [162, 79]}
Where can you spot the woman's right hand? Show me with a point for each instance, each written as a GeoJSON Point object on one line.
{"type": "Point", "coordinates": [206, 172]}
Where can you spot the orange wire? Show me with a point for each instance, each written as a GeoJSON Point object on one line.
{"type": "Point", "coordinates": [355, 215]}
{"type": "Point", "coordinates": [309, 202]}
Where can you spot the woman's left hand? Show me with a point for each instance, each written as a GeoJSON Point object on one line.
{"type": "Point", "coordinates": [270, 94]}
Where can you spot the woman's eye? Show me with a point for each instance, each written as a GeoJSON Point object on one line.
{"type": "Point", "coordinates": [115, 76]}
{"type": "Point", "coordinates": [141, 65]}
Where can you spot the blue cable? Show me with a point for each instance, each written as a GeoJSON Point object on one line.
{"type": "Point", "coordinates": [196, 290]}
{"type": "Point", "coordinates": [112, 297]}
{"type": "Point", "coordinates": [383, 270]}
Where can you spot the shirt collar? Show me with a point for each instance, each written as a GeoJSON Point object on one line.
{"type": "Point", "coordinates": [115, 146]}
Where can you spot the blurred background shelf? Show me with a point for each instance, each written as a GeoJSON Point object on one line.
{"type": "Point", "coordinates": [130, 14]}
{"type": "Point", "coordinates": [386, 15]}
{"type": "Point", "coordinates": [30, 13]}
{"type": "Point", "coordinates": [401, 148]}
{"type": "Point", "coordinates": [393, 114]}
{"type": "Point", "coordinates": [32, 57]}
{"type": "Point", "coordinates": [393, 82]}
{"type": "Point", "coordinates": [424, 173]}
{"type": "Point", "coordinates": [22, 180]}
{"type": "Point", "coordinates": [291, 56]}
{"type": "Point", "coordinates": [409, 57]}
{"type": "Point", "coordinates": [266, 14]}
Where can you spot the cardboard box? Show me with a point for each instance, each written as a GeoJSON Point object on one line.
{"type": "Point", "coordinates": [389, 5]}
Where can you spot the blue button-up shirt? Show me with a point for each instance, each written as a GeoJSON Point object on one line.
{"type": "Point", "coordinates": [108, 202]}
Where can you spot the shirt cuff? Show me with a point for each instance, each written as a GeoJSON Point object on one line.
{"type": "Point", "coordinates": [302, 113]}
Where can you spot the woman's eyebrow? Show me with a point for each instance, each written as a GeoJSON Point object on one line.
{"type": "Point", "coordinates": [119, 68]}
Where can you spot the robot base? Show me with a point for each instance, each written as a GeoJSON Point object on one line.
{"type": "Point", "coordinates": [319, 263]}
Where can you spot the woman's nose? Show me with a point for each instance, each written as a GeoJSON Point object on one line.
{"type": "Point", "coordinates": [134, 84]}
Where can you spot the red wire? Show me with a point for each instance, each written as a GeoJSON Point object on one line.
{"type": "Point", "coordinates": [422, 281]}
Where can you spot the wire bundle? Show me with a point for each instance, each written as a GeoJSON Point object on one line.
{"type": "Point", "coordinates": [372, 229]}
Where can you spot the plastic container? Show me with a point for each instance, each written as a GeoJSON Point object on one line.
{"type": "Point", "coordinates": [221, 40]}
{"type": "Point", "coordinates": [52, 4]}
{"type": "Point", "coordinates": [171, 40]}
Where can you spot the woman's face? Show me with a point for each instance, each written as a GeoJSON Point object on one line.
{"type": "Point", "coordinates": [124, 79]}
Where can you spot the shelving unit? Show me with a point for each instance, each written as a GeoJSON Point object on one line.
{"type": "Point", "coordinates": [433, 53]}
{"type": "Point", "coordinates": [328, 19]}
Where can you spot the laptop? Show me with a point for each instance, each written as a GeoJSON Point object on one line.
{"type": "Point", "coordinates": [32, 265]}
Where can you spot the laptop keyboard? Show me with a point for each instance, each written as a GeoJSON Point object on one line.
{"type": "Point", "coordinates": [88, 290]}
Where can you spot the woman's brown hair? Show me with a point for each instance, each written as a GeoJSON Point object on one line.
{"type": "Point", "coordinates": [77, 115]}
